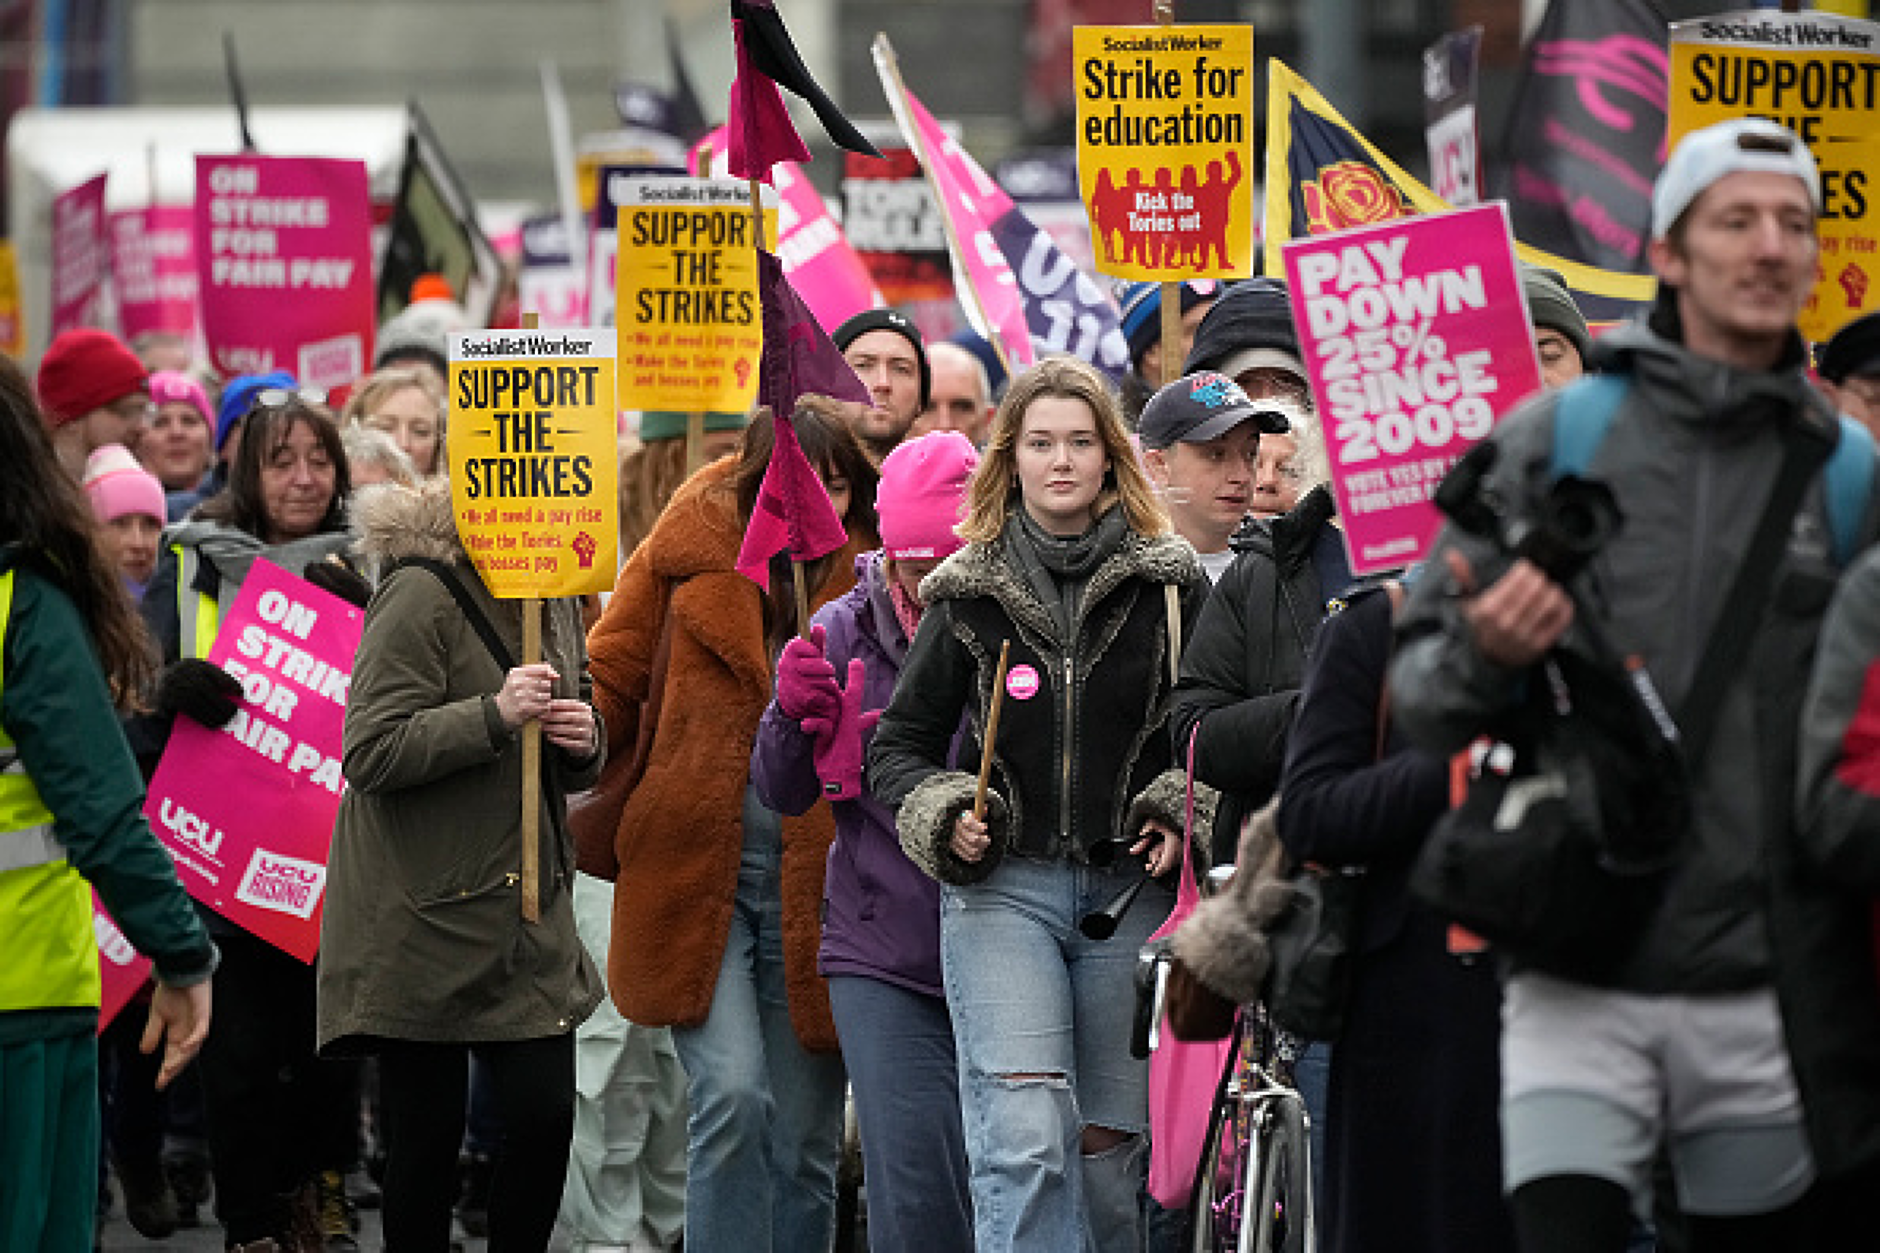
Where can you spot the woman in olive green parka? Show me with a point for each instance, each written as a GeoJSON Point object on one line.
{"type": "Point", "coordinates": [425, 957]}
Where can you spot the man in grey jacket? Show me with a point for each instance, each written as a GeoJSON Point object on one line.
{"type": "Point", "coordinates": [1708, 1041]}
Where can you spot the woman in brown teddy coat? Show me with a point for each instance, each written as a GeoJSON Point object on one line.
{"type": "Point", "coordinates": [716, 901]}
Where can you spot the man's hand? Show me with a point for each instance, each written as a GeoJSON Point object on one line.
{"type": "Point", "coordinates": [179, 1017]}
{"type": "Point", "coordinates": [1515, 619]}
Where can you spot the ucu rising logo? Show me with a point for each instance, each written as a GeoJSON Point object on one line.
{"type": "Point", "coordinates": [282, 884]}
{"type": "Point", "coordinates": [191, 829]}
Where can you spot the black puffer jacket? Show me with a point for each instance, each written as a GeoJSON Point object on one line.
{"type": "Point", "coordinates": [1083, 748]}
{"type": "Point", "coordinates": [1243, 666]}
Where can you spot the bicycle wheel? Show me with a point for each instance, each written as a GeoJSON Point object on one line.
{"type": "Point", "coordinates": [1280, 1206]}
{"type": "Point", "coordinates": [1220, 1183]}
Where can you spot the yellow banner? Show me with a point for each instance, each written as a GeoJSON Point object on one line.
{"type": "Point", "coordinates": [12, 314]}
{"type": "Point", "coordinates": [690, 325]}
{"type": "Point", "coordinates": [534, 466]}
{"type": "Point", "coordinates": [1818, 75]}
{"type": "Point", "coordinates": [1165, 148]}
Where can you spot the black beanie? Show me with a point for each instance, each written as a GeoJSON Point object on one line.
{"type": "Point", "coordinates": [1254, 313]}
{"type": "Point", "coordinates": [1853, 350]}
{"type": "Point", "coordinates": [888, 320]}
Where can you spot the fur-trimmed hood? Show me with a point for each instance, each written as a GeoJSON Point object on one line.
{"type": "Point", "coordinates": [397, 523]}
{"type": "Point", "coordinates": [986, 569]}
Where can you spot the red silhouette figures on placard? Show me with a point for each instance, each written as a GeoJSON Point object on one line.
{"type": "Point", "coordinates": [1175, 224]}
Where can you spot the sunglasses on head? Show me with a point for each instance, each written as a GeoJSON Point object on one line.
{"type": "Point", "coordinates": [281, 397]}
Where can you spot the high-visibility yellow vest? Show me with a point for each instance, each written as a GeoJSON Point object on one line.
{"type": "Point", "coordinates": [45, 905]}
{"type": "Point", "coordinates": [198, 617]}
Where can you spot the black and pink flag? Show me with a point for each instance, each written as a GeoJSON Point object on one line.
{"type": "Point", "coordinates": [793, 511]}
{"type": "Point", "coordinates": [1586, 136]}
{"type": "Point", "coordinates": [761, 131]}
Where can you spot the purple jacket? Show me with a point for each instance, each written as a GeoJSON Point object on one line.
{"type": "Point", "coordinates": [881, 915]}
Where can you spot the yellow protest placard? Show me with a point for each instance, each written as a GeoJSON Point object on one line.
{"type": "Point", "coordinates": [1818, 75]}
{"type": "Point", "coordinates": [1165, 148]}
{"type": "Point", "coordinates": [534, 466]}
{"type": "Point", "coordinates": [686, 309]}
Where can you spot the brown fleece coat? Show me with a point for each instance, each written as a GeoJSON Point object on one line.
{"type": "Point", "coordinates": [681, 830]}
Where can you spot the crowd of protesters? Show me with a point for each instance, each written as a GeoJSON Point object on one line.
{"type": "Point", "coordinates": [1120, 580]}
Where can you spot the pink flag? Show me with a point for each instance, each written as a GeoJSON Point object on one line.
{"type": "Point", "coordinates": [793, 510]}
{"type": "Point", "coordinates": [762, 133]}
{"type": "Point", "coordinates": [972, 203]}
{"type": "Point", "coordinates": [798, 357]}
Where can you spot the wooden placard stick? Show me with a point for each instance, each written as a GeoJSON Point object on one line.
{"type": "Point", "coordinates": [1171, 349]}
{"type": "Point", "coordinates": [531, 753]}
{"type": "Point", "coordinates": [992, 732]}
{"type": "Point", "coordinates": [694, 443]}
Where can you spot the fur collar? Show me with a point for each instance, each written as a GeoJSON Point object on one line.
{"type": "Point", "coordinates": [397, 523]}
{"type": "Point", "coordinates": [986, 569]}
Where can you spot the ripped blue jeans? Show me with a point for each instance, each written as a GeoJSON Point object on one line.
{"type": "Point", "coordinates": [1041, 1018]}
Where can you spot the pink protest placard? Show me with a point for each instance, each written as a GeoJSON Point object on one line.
{"type": "Point", "coordinates": [815, 253]}
{"type": "Point", "coordinates": [284, 266]}
{"type": "Point", "coordinates": [153, 264]}
{"type": "Point", "coordinates": [247, 810]}
{"type": "Point", "coordinates": [122, 970]}
{"type": "Point", "coordinates": [1417, 338]}
{"type": "Point", "coordinates": [77, 255]}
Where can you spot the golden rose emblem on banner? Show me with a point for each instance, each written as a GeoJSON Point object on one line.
{"type": "Point", "coordinates": [1349, 193]}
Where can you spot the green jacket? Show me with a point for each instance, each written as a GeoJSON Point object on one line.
{"type": "Point", "coordinates": [423, 937]}
{"type": "Point", "coordinates": [56, 708]}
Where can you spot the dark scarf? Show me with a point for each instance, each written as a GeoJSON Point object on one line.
{"type": "Point", "coordinates": [1057, 567]}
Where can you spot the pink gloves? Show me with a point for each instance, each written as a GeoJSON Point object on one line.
{"type": "Point", "coordinates": [806, 682]}
{"type": "Point", "coordinates": [838, 749]}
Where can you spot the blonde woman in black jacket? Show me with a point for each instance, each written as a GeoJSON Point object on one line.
{"type": "Point", "coordinates": [1070, 559]}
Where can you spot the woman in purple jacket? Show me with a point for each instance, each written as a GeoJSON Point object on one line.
{"type": "Point", "coordinates": [881, 915]}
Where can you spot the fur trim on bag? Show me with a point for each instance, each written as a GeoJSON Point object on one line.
{"type": "Point", "coordinates": [1223, 943]}
{"type": "Point", "coordinates": [926, 819]}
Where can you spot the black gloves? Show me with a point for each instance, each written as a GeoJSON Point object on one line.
{"type": "Point", "coordinates": [333, 575]}
{"type": "Point", "coordinates": [202, 691]}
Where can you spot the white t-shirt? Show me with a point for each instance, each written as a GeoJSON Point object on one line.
{"type": "Point", "coordinates": [1215, 564]}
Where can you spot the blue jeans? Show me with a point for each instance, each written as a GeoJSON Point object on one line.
{"type": "Point", "coordinates": [904, 1074]}
{"type": "Point", "coordinates": [764, 1134]}
{"type": "Point", "coordinates": [1041, 1016]}
{"type": "Point", "coordinates": [1312, 1075]}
